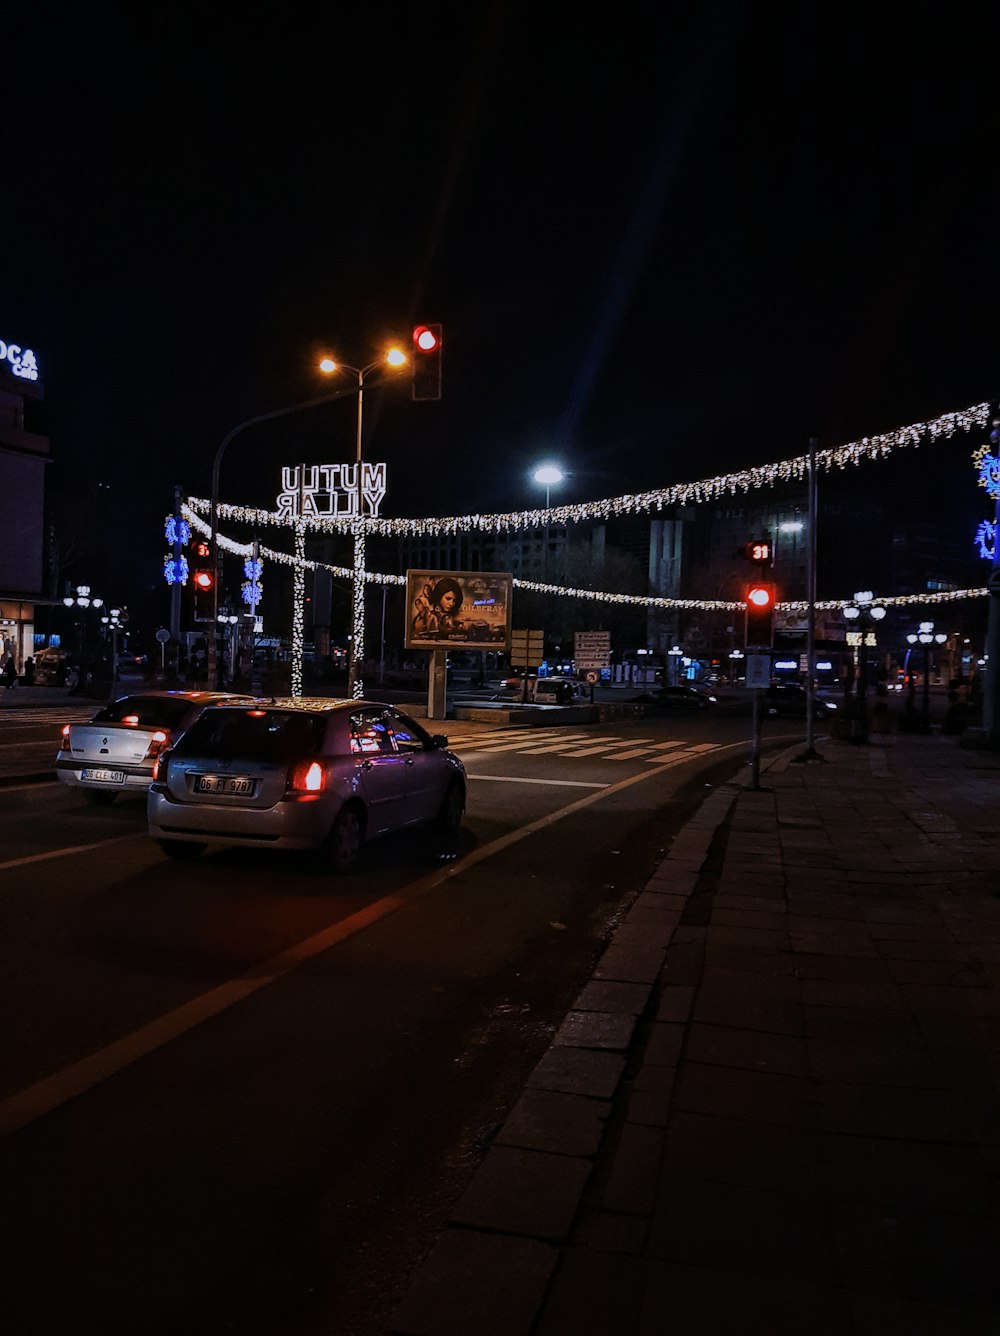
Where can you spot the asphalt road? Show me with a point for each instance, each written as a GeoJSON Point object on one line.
{"type": "Point", "coordinates": [239, 1095]}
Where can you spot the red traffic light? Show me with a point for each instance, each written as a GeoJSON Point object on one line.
{"type": "Point", "coordinates": [760, 597]}
{"type": "Point", "coordinates": [203, 579]}
{"type": "Point", "coordinates": [426, 337]}
{"type": "Point", "coordinates": [202, 549]}
{"type": "Point", "coordinates": [760, 615]}
{"type": "Point", "coordinates": [426, 361]}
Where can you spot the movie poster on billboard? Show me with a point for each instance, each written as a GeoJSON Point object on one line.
{"type": "Point", "coordinates": [458, 609]}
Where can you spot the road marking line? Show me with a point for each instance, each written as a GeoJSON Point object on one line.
{"type": "Point", "coordinates": [561, 783]}
{"type": "Point", "coordinates": [74, 849]}
{"type": "Point", "coordinates": [36, 1100]}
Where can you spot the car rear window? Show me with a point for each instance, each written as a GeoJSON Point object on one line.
{"type": "Point", "coordinates": [254, 735]}
{"type": "Point", "coordinates": [145, 711]}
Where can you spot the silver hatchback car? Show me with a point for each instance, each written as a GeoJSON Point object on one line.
{"type": "Point", "coordinates": [302, 774]}
{"type": "Point", "coordinates": [116, 751]}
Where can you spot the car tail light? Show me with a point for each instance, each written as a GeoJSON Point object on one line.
{"type": "Point", "coordinates": [308, 777]}
{"type": "Point", "coordinates": [64, 740]}
{"type": "Point", "coordinates": [160, 767]}
{"type": "Point", "coordinates": [158, 743]}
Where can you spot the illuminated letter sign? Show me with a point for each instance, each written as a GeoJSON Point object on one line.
{"type": "Point", "coordinates": [329, 490]}
{"type": "Point", "coordinates": [22, 360]}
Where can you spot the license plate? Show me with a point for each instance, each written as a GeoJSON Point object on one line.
{"type": "Point", "coordinates": [104, 776]}
{"type": "Point", "coordinates": [231, 784]}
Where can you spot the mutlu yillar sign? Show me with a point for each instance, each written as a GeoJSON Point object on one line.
{"type": "Point", "coordinates": [327, 491]}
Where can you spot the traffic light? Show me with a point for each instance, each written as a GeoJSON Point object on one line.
{"type": "Point", "coordinates": [760, 615]}
{"type": "Point", "coordinates": [759, 550]}
{"type": "Point", "coordinates": [427, 362]}
{"type": "Point", "coordinates": [203, 582]}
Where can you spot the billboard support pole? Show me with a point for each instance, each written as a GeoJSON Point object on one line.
{"type": "Point", "coordinates": [437, 685]}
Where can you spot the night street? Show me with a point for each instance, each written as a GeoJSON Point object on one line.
{"type": "Point", "coordinates": [298, 1074]}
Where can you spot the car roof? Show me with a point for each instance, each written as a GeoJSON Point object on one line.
{"type": "Point", "coordinates": [206, 697]}
{"type": "Point", "coordinates": [308, 704]}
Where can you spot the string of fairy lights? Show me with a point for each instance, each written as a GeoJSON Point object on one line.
{"type": "Point", "coordinates": [705, 489]}
{"type": "Point", "coordinates": [693, 493]}
{"type": "Point", "coordinates": [679, 494]}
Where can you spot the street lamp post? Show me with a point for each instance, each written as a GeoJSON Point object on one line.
{"type": "Point", "coordinates": [228, 620]}
{"type": "Point", "coordinates": [926, 636]}
{"type": "Point", "coordinates": [866, 614]}
{"type": "Point", "coordinates": [329, 366]}
{"type": "Point", "coordinates": [83, 599]}
{"type": "Point", "coordinates": [114, 620]}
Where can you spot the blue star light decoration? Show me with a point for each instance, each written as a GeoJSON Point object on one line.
{"type": "Point", "coordinates": [251, 589]}
{"type": "Point", "coordinates": [175, 572]}
{"type": "Point", "coordinates": [986, 537]}
{"type": "Point", "coordinates": [177, 531]}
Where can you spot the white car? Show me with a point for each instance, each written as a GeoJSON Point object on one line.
{"type": "Point", "coordinates": [297, 773]}
{"type": "Point", "coordinates": [115, 752]}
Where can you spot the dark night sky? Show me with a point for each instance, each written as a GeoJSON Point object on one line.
{"type": "Point", "coordinates": [663, 241]}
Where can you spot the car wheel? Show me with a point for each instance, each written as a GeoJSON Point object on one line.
{"type": "Point", "coordinates": [99, 797]}
{"type": "Point", "coordinates": [452, 809]}
{"type": "Point", "coordinates": [345, 839]}
{"type": "Point", "coordinates": [184, 851]}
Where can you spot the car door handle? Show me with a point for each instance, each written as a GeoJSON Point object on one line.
{"type": "Point", "coordinates": [409, 760]}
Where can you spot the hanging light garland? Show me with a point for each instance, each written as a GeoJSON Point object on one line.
{"type": "Point", "coordinates": [691, 493]}
{"type": "Point", "coordinates": [745, 480]}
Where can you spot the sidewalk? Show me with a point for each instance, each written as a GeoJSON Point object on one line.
{"type": "Point", "coordinates": [775, 1107]}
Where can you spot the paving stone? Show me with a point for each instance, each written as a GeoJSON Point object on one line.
{"type": "Point", "coordinates": [593, 1291]}
{"type": "Point", "coordinates": [942, 1257]}
{"type": "Point", "coordinates": [896, 1111]}
{"type": "Point", "coordinates": [851, 993]}
{"type": "Point", "coordinates": [613, 1232]}
{"type": "Point", "coordinates": [891, 1315]}
{"type": "Point", "coordinates": [721, 1299]}
{"type": "Point", "coordinates": [553, 1121]}
{"type": "Point", "coordinates": [676, 1002]}
{"type": "Point", "coordinates": [918, 1175]}
{"type": "Point", "coordinates": [873, 1064]}
{"type": "Point", "coordinates": [631, 1184]}
{"type": "Point", "coordinates": [524, 1192]}
{"type": "Point", "coordinates": [628, 999]}
{"type": "Point", "coordinates": [756, 1050]}
{"type": "Point", "coordinates": [595, 1029]}
{"type": "Point", "coordinates": [578, 1071]}
{"type": "Point", "coordinates": [728, 1148]}
{"type": "Point", "coordinates": [711, 1224]}
{"type": "Point", "coordinates": [632, 964]}
{"type": "Point", "coordinates": [486, 1283]}
{"type": "Point", "coordinates": [763, 1096]}
{"type": "Point", "coordinates": [663, 1044]}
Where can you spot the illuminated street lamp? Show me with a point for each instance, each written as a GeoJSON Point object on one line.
{"type": "Point", "coordinates": [926, 636]}
{"type": "Point", "coordinates": [114, 620]}
{"type": "Point", "coordinates": [675, 653]}
{"type": "Point", "coordinates": [865, 613]}
{"type": "Point", "coordinates": [394, 359]}
{"type": "Point", "coordinates": [83, 599]}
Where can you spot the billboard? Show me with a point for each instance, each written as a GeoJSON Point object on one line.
{"type": "Point", "coordinates": [458, 609]}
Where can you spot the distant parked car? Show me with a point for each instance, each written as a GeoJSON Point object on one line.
{"type": "Point", "coordinates": [678, 698]}
{"type": "Point", "coordinates": [556, 690]}
{"type": "Point", "coordinates": [296, 773]}
{"type": "Point", "coordinates": [115, 752]}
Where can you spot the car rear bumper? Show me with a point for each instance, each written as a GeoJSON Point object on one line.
{"type": "Point", "coordinates": [298, 823]}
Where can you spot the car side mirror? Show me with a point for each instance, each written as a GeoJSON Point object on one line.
{"type": "Point", "coordinates": [440, 741]}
